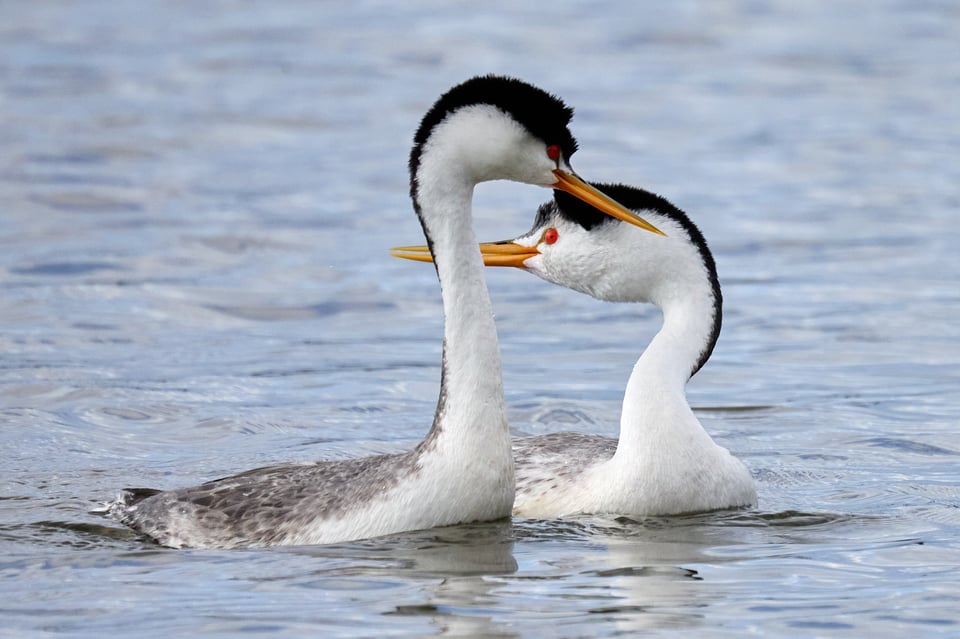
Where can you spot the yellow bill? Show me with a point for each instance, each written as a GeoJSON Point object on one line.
{"type": "Point", "coordinates": [494, 253]}
{"type": "Point", "coordinates": [415, 253]}
{"type": "Point", "coordinates": [581, 190]}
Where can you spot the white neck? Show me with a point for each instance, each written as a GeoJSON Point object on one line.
{"type": "Point", "coordinates": [471, 412]}
{"type": "Point", "coordinates": [655, 408]}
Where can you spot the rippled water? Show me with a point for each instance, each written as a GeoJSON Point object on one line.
{"type": "Point", "coordinates": [197, 205]}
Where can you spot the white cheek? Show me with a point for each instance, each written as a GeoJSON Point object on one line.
{"type": "Point", "coordinates": [484, 144]}
{"type": "Point", "coordinates": [539, 168]}
{"type": "Point", "coordinates": [566, 268]}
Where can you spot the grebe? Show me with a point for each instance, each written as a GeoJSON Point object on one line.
{"type": "Point", "coordinates": [664, 463]}
{"type": "Point", "coordinates": [486, 128]}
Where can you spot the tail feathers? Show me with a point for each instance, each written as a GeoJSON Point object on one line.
{"type": "Point", "coordinates": [132, 496]}
{"type": "Point", "coordinates": [126, 498]}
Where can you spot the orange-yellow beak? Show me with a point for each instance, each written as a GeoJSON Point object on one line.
{"type": "Point", "coordinates": [581, 190]}
{"type": "Point", "coordinates": [505, 253]}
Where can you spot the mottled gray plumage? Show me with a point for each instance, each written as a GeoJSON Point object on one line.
{"type": "Point", "coordinates": [255, 506]}
{"type": "Point", "coordinates": [542, 462]}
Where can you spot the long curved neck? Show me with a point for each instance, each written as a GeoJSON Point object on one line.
{"type": "Point", "coordinates": [471, 403]}
{"type": "Point", "coordinates": [654, 404]}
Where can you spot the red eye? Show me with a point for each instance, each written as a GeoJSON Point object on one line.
{"type": "Point", "coordinates": [550, 236]}
{"type": "Point", "coordinates": [553, 152]}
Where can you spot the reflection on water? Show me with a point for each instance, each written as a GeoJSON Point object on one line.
{"type": "Point", "coordinates": [198, 204]}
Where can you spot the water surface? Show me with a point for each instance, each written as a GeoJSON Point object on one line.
{"type": "Point", "coordinates": [197, 206]}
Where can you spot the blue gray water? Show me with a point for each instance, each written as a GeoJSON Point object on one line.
{"type": "Point", "coordinates": [196, 206]}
